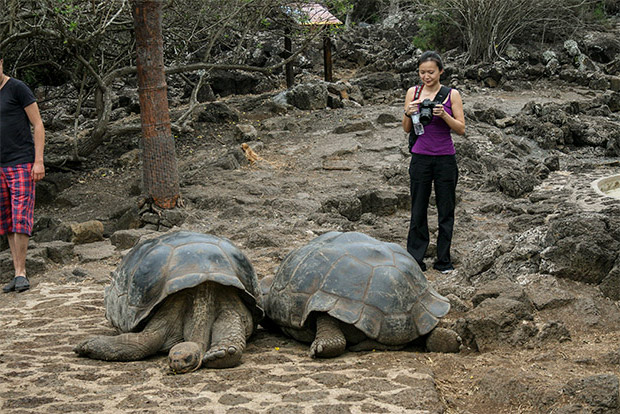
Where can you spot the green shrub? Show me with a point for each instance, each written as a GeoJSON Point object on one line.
{"type": "Point", "coordinates": [435, 34]}
{"type": "Point", "coordinates": [487, 27]}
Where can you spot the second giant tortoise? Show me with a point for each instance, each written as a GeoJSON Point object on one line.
{"type": "Point", "coordinates": [349, 288]}
{"type": "Point", "coordinates": [191, 294]}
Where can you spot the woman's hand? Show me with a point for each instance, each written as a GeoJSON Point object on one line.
{"type": "Point", "coordinates": [439, 111]}
{"type": "Point", "coordinates": [413, 107]}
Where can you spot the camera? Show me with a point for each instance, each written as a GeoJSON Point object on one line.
{"type": "Point", "coordinates": [426, 111]}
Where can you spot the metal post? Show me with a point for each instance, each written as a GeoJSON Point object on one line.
{"type": "Point", "coordinates": [327, 57]}
{"type": "Point", "coordinates": [288, 51]}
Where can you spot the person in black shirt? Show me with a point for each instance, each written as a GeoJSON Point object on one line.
{"type": "Point", "coordinates": [21, 165]}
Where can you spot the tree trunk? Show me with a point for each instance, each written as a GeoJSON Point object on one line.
{"type": "Point", "coordinates": [91, 142]}
{"type": "Point", "coordinates": [159, 163]}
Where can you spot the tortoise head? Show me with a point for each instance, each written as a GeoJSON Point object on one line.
{"type": "Point", "coordinates": [185, 357]}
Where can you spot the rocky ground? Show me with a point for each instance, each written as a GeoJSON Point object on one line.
{"type": "Point", "coordinates": [537, 339]}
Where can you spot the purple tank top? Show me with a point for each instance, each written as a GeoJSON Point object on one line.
{"type": "Point", "coordinates": [436, 139]}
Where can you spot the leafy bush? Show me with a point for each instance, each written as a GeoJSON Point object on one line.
{"type": "Point", "coordinates": [487, 27]}
{"type": "Point", "coordinates": [435, 34]}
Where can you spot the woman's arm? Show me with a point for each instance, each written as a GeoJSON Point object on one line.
{"type": "Point", "coordinates": [407, 124]}
{"type": "Point", "coordinates": [456, 122]}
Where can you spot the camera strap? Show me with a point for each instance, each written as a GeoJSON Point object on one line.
{"type": "Point", "coordinates": [442, 94]}
{"type": "Point", "coordinates": [418, 91]}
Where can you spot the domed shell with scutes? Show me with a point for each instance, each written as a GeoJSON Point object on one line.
{"type": "Point", "coordinates": [375, 286]}
{"type": "Point", "coordinates": [156, 268]}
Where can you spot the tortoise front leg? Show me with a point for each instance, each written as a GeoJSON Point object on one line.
{"type": "Point", "coordinates": [163, 328]}
{"type": "Point", "coordinates": [233, 325]}
{"type": "Point", "coordinates": [329, 340]}
{"type": "Point", "coordinates": [124, 347]}
{"type": "Point", "coordinates": [228, 341]}
{"type": "Point", "coordinates": [187, 356]}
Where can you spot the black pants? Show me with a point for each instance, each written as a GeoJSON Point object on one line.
{"type": "Point", "coordinates": [442, 172]}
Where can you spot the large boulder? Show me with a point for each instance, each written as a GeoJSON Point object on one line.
{"type": "Point", "coordinates": [347, 205]}
{"type": "Point", "coordinates": [580, 247]}
{"type": "Point", "coordinates": [87, 232]}
{"type": "Point", "coordinates": [597, 391]}
{"type": "Point", "coordinates": [231, 82]}
{"type": "Point", "coordinates": [308, 96]}
{"type": "Point", "coordinates": [379, 81]}
{"type": "Point", "coordinates": [601, 47]}
{"type": "Point", "coordinates": [492, 323]}
{"type": "Point", "coordinates": [514, 183]}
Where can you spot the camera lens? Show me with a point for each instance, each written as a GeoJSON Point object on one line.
{"type": "Point", "coordinates": [426, 111]}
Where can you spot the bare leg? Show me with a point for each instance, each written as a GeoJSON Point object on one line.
{"type": "Point", "coordinates": [187, 356]}
{"type": "Point", "coordinates": [18, 244]}
{"type": "Point", "coordinates": [329, 341]}
{"type": "Point", "coordinates": [163, 329]}
{"type": "Point", "coordinates": [233, 325]}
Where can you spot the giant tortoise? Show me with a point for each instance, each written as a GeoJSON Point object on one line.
{"type": "Point", "coordinates": [349, 288]}
{"type": "Point", "coordinates": [191, 294]}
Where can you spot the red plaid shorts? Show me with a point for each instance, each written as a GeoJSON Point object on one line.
{"type": "Point", "coordinates": [16, 199]}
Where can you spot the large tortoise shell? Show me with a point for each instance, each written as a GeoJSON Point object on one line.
{"type": "Point", "coordinates": [158, 267]}
{"type": "Point", "coordinates": [375, 286]}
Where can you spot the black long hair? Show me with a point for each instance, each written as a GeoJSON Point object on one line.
{"type": "Point", "coordinates": [431, 55]}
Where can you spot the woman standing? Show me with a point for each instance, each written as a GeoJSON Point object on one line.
{"type": "Point", "coordinates": [433, 161]}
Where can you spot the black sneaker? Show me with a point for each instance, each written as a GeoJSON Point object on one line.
{"type": "Point", "coordinates": [21, 284]}
{"type": "Point", "coordinates": [9, 287]}
{"type": "Point", "coordinates": [444, 268]}
{"type": "Point", "coordinates": [422, 266]}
